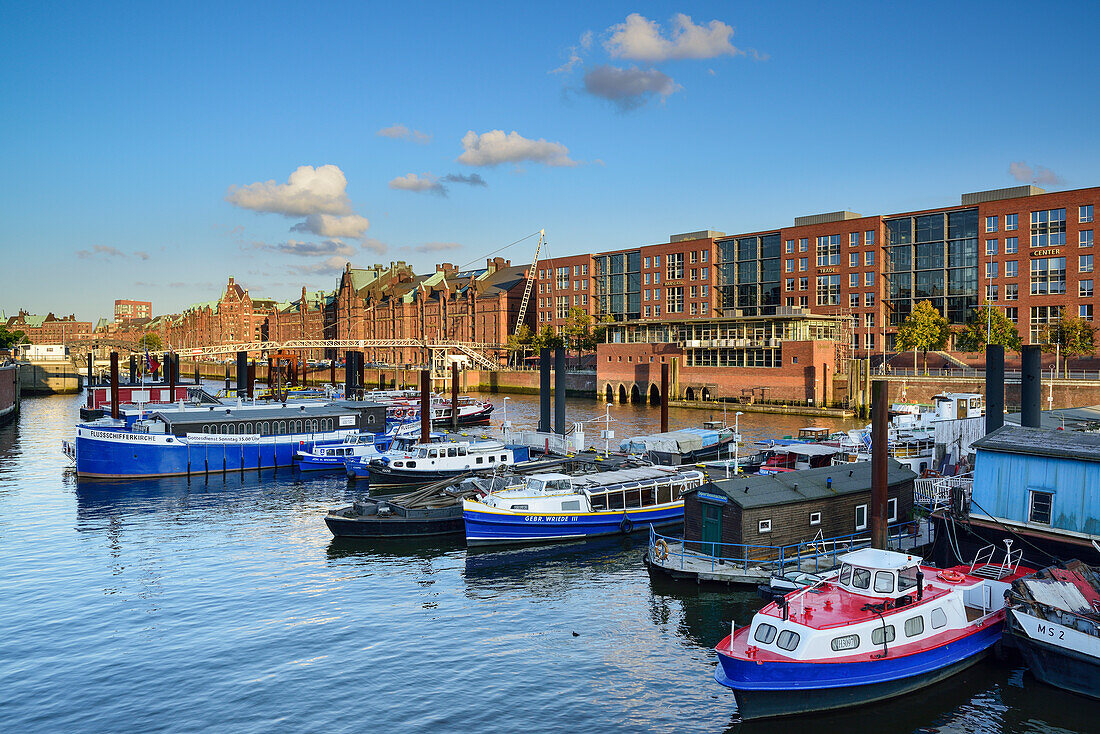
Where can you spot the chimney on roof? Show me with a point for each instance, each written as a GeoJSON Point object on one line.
{"type": "Point", "coordinates": [230, 280]}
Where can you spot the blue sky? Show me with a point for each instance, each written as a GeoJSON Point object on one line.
{"type": "Point", "coordinates": [138, 139]}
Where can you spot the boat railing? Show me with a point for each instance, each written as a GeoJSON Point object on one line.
{"type": "Point", "coordinates": [934, 493]}
{"type": "Point", "coordinates": [816, 555]}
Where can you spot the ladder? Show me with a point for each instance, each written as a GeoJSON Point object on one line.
{"type": "Point", "coordinates": [530, 281]}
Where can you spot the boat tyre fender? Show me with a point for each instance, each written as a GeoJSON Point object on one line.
{"type": "Point", "coordinates": [660, 549]}
{"type": "Point", "coordinates": [952, 577]}
{"type": "Point", "coordinates": [625, 527]}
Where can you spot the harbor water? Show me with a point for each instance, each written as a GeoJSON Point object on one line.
{"type": "Point", "coordinates": [224, 604]}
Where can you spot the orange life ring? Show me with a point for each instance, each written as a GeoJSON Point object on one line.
{"type": "Point", "coordinates": [660, 549]}
{"type": "Point", "coordinates": [950, 576]}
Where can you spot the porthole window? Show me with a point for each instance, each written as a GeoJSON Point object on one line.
{"type": "Point", "coordinates": [847, 642]}
{"type": "Point", "coordinates": [938, 618]}
{"type": "Point", "coordinates": [411, 464]}
{"type": "Point", "coordinates": [787, 640]}
{"type": "Point", "coordinates": [879, 634]}
{"type": "Point", "coordinates": [765, 633]}
{"type": "Point", "coordinates": [914, 626]}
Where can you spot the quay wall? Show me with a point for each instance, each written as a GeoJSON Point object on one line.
{"type": "Point", "coordinates": [50, 377]}
{"type": "Point", "coordinates": [1066, 393]}
{"type": "Point", "coordinates": [9, 392]}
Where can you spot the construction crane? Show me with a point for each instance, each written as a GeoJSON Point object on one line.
{"type": "Point", "coordinates": [530, 281]}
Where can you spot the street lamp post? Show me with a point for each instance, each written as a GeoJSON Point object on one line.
{"type": "Point", "coordinates": [736, 446]}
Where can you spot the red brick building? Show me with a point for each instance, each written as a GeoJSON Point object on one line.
{"type": "Point", "coordinates": [50, 329]}
{"type": "Point", "coordinates": [234, 317]}
{"type": "Point", "coordinates": [129, 310]}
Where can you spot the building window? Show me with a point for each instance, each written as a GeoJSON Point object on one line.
{"type": "Point", "coordinates": [815, 518]}
{"type": "Point", "coordinates": [704, 273]}
{"type": "Point", "coordinates": [562, 278]}
{"type": "Point", "coordinates": [645, 278]}
{"type": "Point", "coordinates": [869, 257]}
{"type": "Point", "coordinates": [869, 278]}
{"type": "Point", "coordinates": [803, 284]}
{"type": "Point", "coordinates": [704, 290]}
{"type": "Point", "coordinates": [1039, 506]}
{"type": "Point", "coordinates": [1012, 292]}
{"type": "Point", "coordinates": [1040, 317]}
{"type": "Point", "coordinates": [693, 256]}
{"type": "Point", "coordinates": [1010, 222]}
{"type": "Point", "coordinates": [853, 280]}
{"type": "Point", "coordinates": [1084, 238]}
{"type": "Point", "coordinates": [563, 307]}
{"type": "Point", "coordinates": [828, 290]}
{"type": "Point", "coordinates": [803, 264]}
{"type": "Point", "coordinates": [870, 341]}
{"type": "Point", "coordinates": [704, 308]}
{"type": "Point", "coordinates": [991, 293]}
{"type": "Point", "coordinates": [853, 260]}
{"type": "Point", "coordinates": [803, 244]}
{"type": "Point", "coordinates": [1048, 275]}
{"type": "Point", "coordinates": [645, 294]}
{"type": "Point", "coordinates": [675, 267]}
{"type": "Point", "coordinates": [991, 224]}
{"type": "Point", "coordinates": [828, 250]}
{"type": "Point", "coordinates": [869, 320]}
{"type": "Point", "coordinates": [991, 247]}
{"type": "Point", "coordinates": [1048, 228]}
{"type": "Point", "coordinates": [703, 255]}
{"type": "Point", "coordinates": [694, 292]}
{"type": "Point", "coordinates": [788, 246]}
{"type": "Point", "coordinates": [647, 262]}
{"type": "Point", "coordinates": [1084, 213]}
{"type": "Point", "coordinates": [695, 273]}
{"type": "Point", "coordinates": [1084, 264]}
{"type": "Point", "coordinates": [853, 239]}
{"type": "Point", "coordinates": [1085, 311]}
{"type": "Point", "coordinates": [1012, 313]}
{"type": "Point", "coordinates": [1012, 268]}
{"type": "Point", "coordinates": [764, 526]}
{"type": "Point", "coordinates": [656, 261]}
{"type": "Point", "coordinates": [693, 308]}
{"type": "Point", "coordinates": [861, 517]}
{"type": "Point", "coordinates": [991, 270]}
{"type": "Point", "coordinates": [674, 298]}
{"type": "Point", "coordinates": [656, 278]}
{"type": "Point", "coordinates": [853, 300]}
{"type": "Point", "coordinates": [868, 300]}
{"type": "Point", "coordinates": [1084, 288]}
{"type": "Point", "coordinates": [1012, 245]}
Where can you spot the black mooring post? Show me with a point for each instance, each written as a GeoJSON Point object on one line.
{"type": "Point", "coordinates": [1031, 386]}
{"type": "Point", "coordinates": [544, 390]}
{"type": "Point", "coordinates": [454, 396]}
{"type": "Point", "coordinates": [994, 387]}
{"type": "Point", "coordinates": [349, 374]}
{"type": "Point", "coordinates": [559, 391]}
{"type": "Point", "coordinates": [91, 379]}
{"type": "Point", "coordinates": [133, 369]}
{"type": "Point", "coordinates": [880, 409]}
{"type": "Point", "coordinates": [664, 397]}
{"type": "Point", "coordinates": [242, 374]}
{"type": "Point", "coordinates": [114, 385]}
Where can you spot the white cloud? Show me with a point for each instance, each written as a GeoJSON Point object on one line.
{"type": "Point", "coordinates": [642, 39]}
{"type": "Point", "coordinates": [401, 132]}
{"type": "Point", "coordinates": [419, 184]}
{"type": "Point", "coordinates": [628, 88]}
{"type": "Point", "coordinates": [495, 147]}
{"type": "Point", "coordinates": [329, 225]}
{"type": "Point", "coordinates": [329, 266]}
{"type": "Point", "coordinates": [309, 249]}
{"type": "Point", "coordinates": [107, 253]}
{"type": "Point", "coordinates": [378, 247]}
{"type": "Point", "coordinates": [1039, 174]}
{"type": "Point", "coordinates": [308, 190]}
{"type": "Point", "coordinates": [437, 247]}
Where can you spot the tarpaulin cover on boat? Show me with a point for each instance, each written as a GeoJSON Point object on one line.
{"type": "Point", "coordinates": [682, 441]}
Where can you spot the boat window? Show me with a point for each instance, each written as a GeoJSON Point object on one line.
{"type": "Point", "coordinates": [571, 506]}
{"type": "Point", "coordinates": [914, 626]}
{"type": "Point", "coordinates": [907, 578]}
{"type": "Point", "coordinates": [861, 578]}
{"type": "Point", "coordinates": [878, 634]}
{"type": "Point", "coordinates": [328, 452]}
{"type": "Point", "coordinates": [504, 457]}
{"type": "Point", "coordinates": [787, 640]}
{"type": "Point", "coordinates": [599, 501]}
{"type": "Point", "coordinates": [518, 507]}
{"type": "Point", "coordinates": [410, 464]}
{"type": "Point", "coordinates": [938, 618]}
{"type": "Point", "coordinates": [282, 426]}
{"type": "Point", "coordinates": [433, 453]}
{"type": "Point", "coordinates": [492, 458]}
{"type": "Point", "coordinates": [206, 429]}
{"type": "Point", "coordinates": [846, 574]}
{"type": "Point", "coordinates": [423, 453]}
{"type": "Point", "coordinates": [233, 429]}
{"type": "Point", "coordinates": [461, 450]}
{"type": "Point", "coordinates": [847, 642]}
{"type": "Point", "coordinates": [452, 452]}
{"type": "Point", "coordinates": [477, 460]}
{"type": "Point", "coordinates": [884, 582]}
{"type": "Point", "coordinates": [558, 484]}
{"type": "Point", "coordinates": [398, 463]}
{"type": "Point", "coordinates": [765, 633]}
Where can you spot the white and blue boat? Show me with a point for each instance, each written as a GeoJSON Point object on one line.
{"type": "Point", "coordinates": [421, 463]}
{"type": "Point", "coordinates": [185, 440]}
{"type": "Point", "coordinates": [555, 507]}
{"type": "Point", "coordinates": [883, 626]}
{"type": "Point", "coordinates": [356, 446]}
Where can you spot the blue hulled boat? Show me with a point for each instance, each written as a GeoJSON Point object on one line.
{"type": "Point", "coordinates": [881, 627]}
{"type": "Point", "coordinates": [556, 507]}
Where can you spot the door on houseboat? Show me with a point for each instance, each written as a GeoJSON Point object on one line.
{"type": "Point", "coordinates": [712, 528]}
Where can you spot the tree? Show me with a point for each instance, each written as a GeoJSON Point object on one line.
{"type": "Point", "coordinates": [9, 339]}
{"type": "Point", "coordinates": [547, 338]}
{"type": "Point", "coordinates": [151, 341]}
{"type": "Point", "coordinates": [577, 331]}
{"type": "Point", "coordinates": [517, 344]}
{"type": "Point", "coordinates": [1069, 335]}
{"type": "Point", "coordinates": [924, 329]}
{"type": "Point", "coordinates": [986, 320]}
{"type": "Point", "coordinates": [599, 333]}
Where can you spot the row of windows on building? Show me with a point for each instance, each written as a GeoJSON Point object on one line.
{"type": "Point", "coordinates": [1043, 220]}
{"type": "Point", "coordinates": [828, 245]}
{"type": "Point", "coordinates": [853, 261]}
{"type": "Point", "coordinates": [563, 285]}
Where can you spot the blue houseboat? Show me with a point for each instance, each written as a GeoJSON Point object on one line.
{"type": "Point", "coordinates": [1039, 485]}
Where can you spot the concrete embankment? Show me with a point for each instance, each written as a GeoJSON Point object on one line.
{"type": "Point", "coordinates": [50, 377]}
{"type": "Point", "coordinates": [9, 392]}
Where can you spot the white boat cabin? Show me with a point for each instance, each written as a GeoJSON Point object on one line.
{"type": "Point", "coordinates": [453, 456]}
{"type": "Point", "coordinates": [551, 493]}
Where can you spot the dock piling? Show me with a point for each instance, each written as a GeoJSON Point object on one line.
{"type": "Point", "coordinates": [114, 385]}
{"type": "Point", "coordinates": [664, 397]}
{"type": "Point", "coordinates": [133, 369]}
{"type": "Point", "coordinates": [173, 367]}
{"type": "Point", "coordinates": [880, 409]}
{"type": "Point", "coordinates": [242, 373]}
{"type": "Point", "coordinates": [544, 390]}
{"type": "Point", "coordinates": [559, 391]}
{"type": "Point", "coordinates": [91, 380]}
{"type": "Point", "coordinates": [994, 387]}
{"type": "Point", "coordinates": [454, 396]}
{"type": "Point", "coordinates": [425, 406]}
{"type": "Point", "coordinates": [1031, 386]}
{"type": "Point", "coordinates": [251, 379]}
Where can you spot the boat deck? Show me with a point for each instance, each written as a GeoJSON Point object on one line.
{"type": "Point", "coordinates": [686, 563]}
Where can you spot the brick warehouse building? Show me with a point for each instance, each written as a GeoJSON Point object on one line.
{"type": "Point", "coordinates": [50, 329]}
